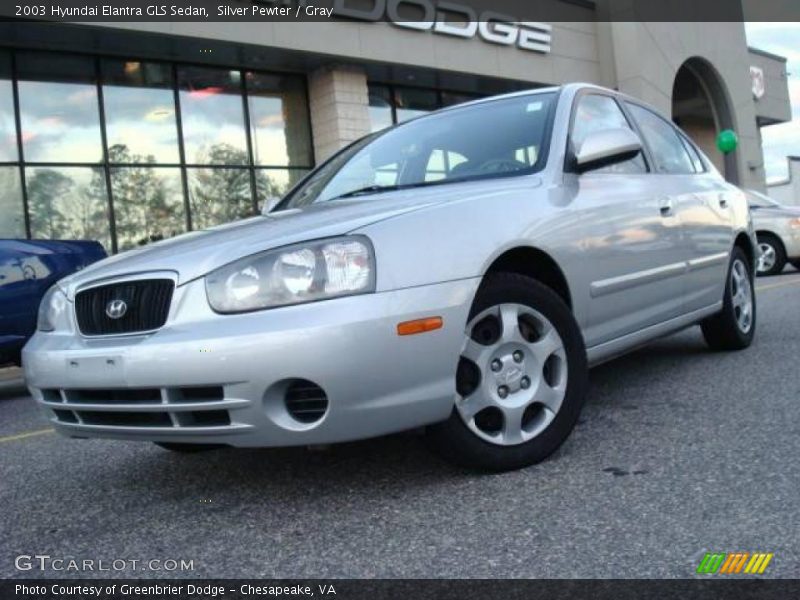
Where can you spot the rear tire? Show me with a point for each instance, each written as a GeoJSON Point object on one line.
{"type": "Point", "coordinates": [773, 256]}
{"type": "Point", "coordinates": [521, 391]}
{"type": "Point", "coordinates": [734, 326]}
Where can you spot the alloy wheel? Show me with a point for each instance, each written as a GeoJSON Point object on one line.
{"type": "Point", "coordinates": [768, 257]}
{"type": "Point", "coordinates": [742, 296]}
{"type": "Point", "coordinates": [512, 377]}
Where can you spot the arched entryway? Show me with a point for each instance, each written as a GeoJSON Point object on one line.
{"type": "Point", "coordinates": [701, 107]}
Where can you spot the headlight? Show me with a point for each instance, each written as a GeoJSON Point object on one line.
{"type": "Point", "coordinates": [294, 274]}
{"type": "Point", "coordinates": [51, 309]}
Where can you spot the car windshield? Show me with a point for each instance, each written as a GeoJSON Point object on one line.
{"type": "Point", "coordinates": [491, 139]}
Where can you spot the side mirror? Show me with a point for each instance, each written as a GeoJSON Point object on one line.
{"type": "Point", "coordinates": [607, 147]}
{"type": "Point", "coordinates": [269, 204]}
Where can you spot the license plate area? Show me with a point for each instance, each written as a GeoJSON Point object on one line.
{"type": "Point", "coordinates": [95, 369]}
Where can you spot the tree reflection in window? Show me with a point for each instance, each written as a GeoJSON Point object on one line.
{"type": "Point", "coordinates": [148, 200]}
{"type": "Point", "coordinates": [222, 194]}
{"type": "Point", "coordinates": [68, 203]}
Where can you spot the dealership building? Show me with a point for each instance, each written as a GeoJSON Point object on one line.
{"type": "Point", "coordinates": [130, 132]}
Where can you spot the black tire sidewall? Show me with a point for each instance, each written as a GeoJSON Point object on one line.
{"type": "Point", "coordinates": [728, 310]}
{"type": "Point", "coordinates": [456, 441]}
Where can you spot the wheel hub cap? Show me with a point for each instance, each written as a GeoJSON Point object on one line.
{"type": "Point", "coordinates": [767, 259]}
{"type": "Point", "coordinates": [742, 296]}
{"type": "Point", "coordinates": [510, 375]}
{"type": "Point", "coordinates": [519, 375]}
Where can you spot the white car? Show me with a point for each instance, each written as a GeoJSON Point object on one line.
{"type": "Point", "coordinates": [460, 271]}
{"type": "Point", "coordinates": [778, 232]}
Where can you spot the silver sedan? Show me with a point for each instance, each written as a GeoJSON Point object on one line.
{"type": "Point", "coordinates": [461, 272]}
{"type": "Point", "coordinates": [778, 231]}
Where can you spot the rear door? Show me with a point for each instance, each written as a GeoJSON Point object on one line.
{"type": "Point", "coordinates": [701, 201]}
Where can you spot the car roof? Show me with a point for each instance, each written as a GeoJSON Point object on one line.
{"type": "Point", "coordinates": [567, 87]}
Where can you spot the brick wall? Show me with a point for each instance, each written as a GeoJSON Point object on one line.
{"type": "Point", "coordinates": [339, 105]}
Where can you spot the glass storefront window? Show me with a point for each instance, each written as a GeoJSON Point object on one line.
{"type": "Point", "coordinates": [380, 107]}
{"type": "Point", "coordinates": [219, 195]}
{"type": "Point", "coordinates": [148, 204]}
{"type": "Point", "coordinates": [59, 110]}
{"type": "Point", "coordinates": [212, 115]}
{"type": "Point", "coordinates": [413, 102]}
{"type": "Point", "coordinates": [278, 120]}
{"type": "Point", "coordinates": [389, 105]}
{"type": "Point", "coordinates": [69, 203]}
{"type": "Point", "coordinates": [12, 214]}
{"type": "Point", "coordinates": [274, 183]}
{"type": "Point", "coordinates": [453, 98]}
{"type": "Point", "coordinates": [8, 127]}
{"type": "Point", "coordinates": [140, 111]}
{"type": "Point", "coordinates": [217, 169]}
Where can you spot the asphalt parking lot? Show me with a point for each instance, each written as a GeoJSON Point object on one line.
{"type": "Point", "coordinates": [679, 451]}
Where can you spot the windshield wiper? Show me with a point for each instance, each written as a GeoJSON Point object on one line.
{"type": "Point", "coordinates": [370, 189]}
{"type": "Point", "coordinates": [374, 189]}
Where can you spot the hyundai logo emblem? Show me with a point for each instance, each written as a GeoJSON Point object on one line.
{"type": "Point", "coordinates": [116, 309]}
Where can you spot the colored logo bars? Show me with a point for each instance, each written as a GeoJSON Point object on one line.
{"type": "Point", "coordinates": [734, 562]}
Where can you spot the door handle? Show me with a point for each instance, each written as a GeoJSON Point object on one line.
{"type": "Point", "coordinates": [723, 202]}
{"type": "Point", "coordinates": [665, 206]}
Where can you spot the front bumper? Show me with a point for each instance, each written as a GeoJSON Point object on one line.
{"type": "Point", "coordinates": [791, 241]}
{"type": "Point", "coordinates": [161, 386]}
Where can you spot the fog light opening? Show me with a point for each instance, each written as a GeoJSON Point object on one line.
{"type": "Point", "coordinates": [305, 401]}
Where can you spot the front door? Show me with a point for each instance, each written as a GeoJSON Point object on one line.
{"type": "Point", "coordinates": [628, 236]}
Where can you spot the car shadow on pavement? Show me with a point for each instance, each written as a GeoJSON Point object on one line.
{"type": "Point", "coordinates": [386, 467]}
{"type": "Point", "coordinates": [12, 384]}
{"type": "Point", "coordinates": [647, 366]}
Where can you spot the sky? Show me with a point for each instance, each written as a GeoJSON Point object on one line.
{"type": "Point", "coordinates": [784, 139]}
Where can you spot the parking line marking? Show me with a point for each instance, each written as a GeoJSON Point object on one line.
{"type": "Point", "coordinates": [772, 286]}
{"type": "Point", "coordinates": [22, 436]}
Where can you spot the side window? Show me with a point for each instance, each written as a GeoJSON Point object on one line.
{"type": "Point", "coordinates": [596, 113]}
{"type": "Point", "coordinates": [699, 167]}
{"type": "Point", "coordinates": [669, 152]}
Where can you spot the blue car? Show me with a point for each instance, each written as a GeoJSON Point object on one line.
{"type": "Point", "coordinates": [27, 269]}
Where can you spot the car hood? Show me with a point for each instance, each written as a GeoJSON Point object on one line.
{"type": "Point", "coordinates": [194, 254]}
{"type": "Point", "coordinates": [777, 211]}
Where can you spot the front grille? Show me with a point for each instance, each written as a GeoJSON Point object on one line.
{"type": "Point", "coordinates": [122, 396]}
{"type": "Point", "coordinates": [146, 301]}
{"type": "Point", "coordinates": [170, 408]}
{"type": "Point", "coordinates": [125, 419]}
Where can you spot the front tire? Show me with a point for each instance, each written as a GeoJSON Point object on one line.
{"type": "Point", "coordinates": [521, 380]}
{"type": "Point", "coordinates": [773, 257]}
{"type": "Point", "coordinates": [734, 326]}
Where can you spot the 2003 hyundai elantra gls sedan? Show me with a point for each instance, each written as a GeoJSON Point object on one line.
{"type": "Point", "coordinates": [460, 271]}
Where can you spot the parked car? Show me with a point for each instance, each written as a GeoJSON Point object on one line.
{"type": "Point", "coordinates": [778, 231]}
{"type": "Point", "coordinates": [460, 271]}
{"type": "Point", "coordinates": [27, 269]}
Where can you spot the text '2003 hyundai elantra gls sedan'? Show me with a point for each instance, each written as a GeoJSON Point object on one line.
{"type": "Point", "coordinates": [460, 272]}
